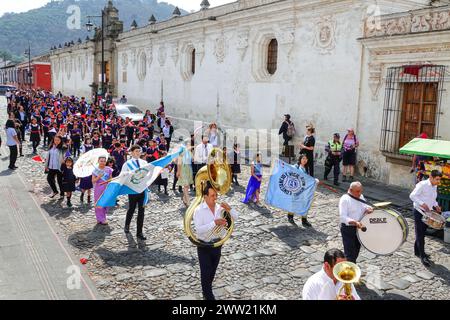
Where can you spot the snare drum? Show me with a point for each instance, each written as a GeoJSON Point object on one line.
{"type": "Point", "coordinates": [387, 230]}
{"type": "Point", "coordinates": [432, 219]}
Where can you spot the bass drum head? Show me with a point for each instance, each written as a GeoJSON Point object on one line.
{"type": "Point", "coordinates": [386, 232]}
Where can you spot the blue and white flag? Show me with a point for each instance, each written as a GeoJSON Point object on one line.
{"type": "Point", "coordinates": [135, 181]}
{"type": "Point", "coordinates": [290, 188]}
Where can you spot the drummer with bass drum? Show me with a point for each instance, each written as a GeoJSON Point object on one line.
{"type": "Point", "coordinates": [352, 208]}
{"type": "Point", "coordinates": [424, 197]}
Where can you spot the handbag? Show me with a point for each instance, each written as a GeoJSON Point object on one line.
{"type": "Point", "coordinates": [328, 163]}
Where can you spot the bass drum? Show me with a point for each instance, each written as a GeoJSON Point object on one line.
{"type": "Point", "coordinates": [387, 231]}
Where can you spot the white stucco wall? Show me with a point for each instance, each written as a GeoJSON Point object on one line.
{"type": "Point", "coordinates": [73, 70]}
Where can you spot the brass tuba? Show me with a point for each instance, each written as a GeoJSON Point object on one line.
{"type": "Point", "coordinates": [218, 173]}
{"type": "Point", "coordinates": [347, 273]}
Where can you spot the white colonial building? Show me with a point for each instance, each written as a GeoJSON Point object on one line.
{"type": "Point", "coordinates": [378, 66]}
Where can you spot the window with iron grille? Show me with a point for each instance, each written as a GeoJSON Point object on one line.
{"type": "Point", "coordinates": [412, 105]}
{"type": "Point", "coordinates": [272, 58]}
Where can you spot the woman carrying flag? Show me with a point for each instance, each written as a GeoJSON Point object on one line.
{"type": "Point", "coordinates": [301, 165]}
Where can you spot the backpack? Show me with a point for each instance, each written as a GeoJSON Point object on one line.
{"type": "Point", "coordinates": [290, 130]}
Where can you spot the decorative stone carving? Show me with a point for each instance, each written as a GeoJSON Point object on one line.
{"type": "Point", "coordinates": [162, 55]}
{"type": "Point", "coordinates": [220, 48]}
{"type": "Point", "coordinates": [124, 61]}
{"type": "Point", "coordinates": [375, 80]}
{"type": "Point", "coordinates": [133, 57]}
{"type": "Point", "coordinates": [175, 52]}
{"type": "Point", "coordinates": [242, 43]}
{"type": "Point", "coordinates": [141, 65]}
{"type": "Point", "coordinates": [200, 50]}
{"type": "Point", "coordinates": [149, 52]}
{"type": "Point", "coordinates": [411, 22]}
{"type": "Point", "coordinates": [325, 35]}
{"type": "Point", "coordinates": [286, 40]}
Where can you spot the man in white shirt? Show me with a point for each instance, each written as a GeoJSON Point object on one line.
{"type": "Point", "coordinates": [139, 200]}
{"type": "Point", "coordinates": [201, 154]}
{"type": "Point", "coordinates": [352, 208]}
{"type": "Point", "coordinates": [207, 216]}
{"type": "Point", "coordinates": [323, 285]}
{"type": "Point", "coordinates": [424, 197]}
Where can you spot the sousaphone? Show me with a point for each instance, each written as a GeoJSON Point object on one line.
{"type": "Point", "coordinates": [218, 173]}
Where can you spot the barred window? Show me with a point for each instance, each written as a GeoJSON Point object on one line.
{"type": "Point", "coordinates": [272, 58]}
{"type": "Point", "coordinates": [412, 105]}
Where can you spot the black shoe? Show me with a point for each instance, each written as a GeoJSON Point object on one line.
{"type": "Point", "coordinates": [291, 220]}
{"type": "Point", "coordinates": [12, 168]}
{"type": "Point", "coordinates": [426, 255]}
{"type": "Point", "coordinates": [166, 193]}
{"type": "Point", "coordinates": [351, 178]}
{"type": "Point", "coordinates": [426, 262]}
{"type": "Point", "coordinates": [126, 229]}
{"type": "Point", "coordinates": [89, 199]}
{"type": "Point", "coordinates": [180, 189]}
{"type": "Point", "coordinates": [82, 197]}
{"type": "Point", "coordinates": [141, 237]}
{"type": "Point", "coordinates": [69, 204]}
{"type": "Point", "coordinates": [306, 223]}
{"type": "Point", "coordinates": [336, 183]}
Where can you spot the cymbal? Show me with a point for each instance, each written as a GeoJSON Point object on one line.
{"type": "Point", "coordinates": [382, 204]}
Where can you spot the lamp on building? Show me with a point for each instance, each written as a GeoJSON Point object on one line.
{"type": "Point", "coordinates": [90, 26]}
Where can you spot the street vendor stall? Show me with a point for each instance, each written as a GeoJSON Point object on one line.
{"type": "Point", "coordinates": [438, 152]}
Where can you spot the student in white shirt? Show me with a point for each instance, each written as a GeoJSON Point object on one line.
{"type": "Point", "coordinates": [207, 216]}
{"type": "Point", "coordinates": [352, 208]}
{"type": "Point", "coordinates": [201, 154]}
{"type": "Point", "coordinates": [424, 197]}
{"type": "Point", "coordinates": [323, 285]}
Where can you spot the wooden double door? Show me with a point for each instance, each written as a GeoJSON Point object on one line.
{"type": "Point", "coordinates": [418, 113]}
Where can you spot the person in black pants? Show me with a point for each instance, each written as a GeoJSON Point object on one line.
{"type": "Point", "coordinates": [307, 148]}
{"type": "Point", "coordinates": [352, 208]}
{"type": "Point", "coordinates": [12, 142]}
{"type": "Point", "coordinates": [424, 197]}
{"type": "Point", "coordinates": [333, 159]}
{"type": "Point", "coordinates": [55, 159]}
{"type": "Point", "coordinates": [136, 200]}
{"type": "Point", "coordinates": [207, 214]}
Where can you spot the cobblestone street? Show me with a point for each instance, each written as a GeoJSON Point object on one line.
{"type": "Point", "coordinates": [266, 258]}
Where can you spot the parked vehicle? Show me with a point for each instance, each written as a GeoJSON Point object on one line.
{"type": "Point", "coordinates": [129, 111]}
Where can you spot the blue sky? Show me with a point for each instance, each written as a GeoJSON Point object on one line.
{"type": "Point", "coordinates": [25, 5]}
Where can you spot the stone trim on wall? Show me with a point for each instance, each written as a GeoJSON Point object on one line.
{"type": "Point", "coordinates": [423, 20]}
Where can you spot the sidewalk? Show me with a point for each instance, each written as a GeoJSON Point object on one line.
{"type": "Point", "coordinates": [374, 191]}
{"type": "Point", "coordinates": [35, 263]}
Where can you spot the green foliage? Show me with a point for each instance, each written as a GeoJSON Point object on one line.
{"type": "Point", "coordinates": [47, 26]}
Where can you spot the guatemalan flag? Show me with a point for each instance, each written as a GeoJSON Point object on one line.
{"type": "Point", "coordinates": [290, 189]}
{"type": "Point", "coordinates": [135, 180]}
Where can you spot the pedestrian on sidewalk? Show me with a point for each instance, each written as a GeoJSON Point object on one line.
{"type": "Point", "coordinates": [100, 179]}
{"type": "Point", "coordinates": [350, 145]}
{"type": "Point", "coordinates": [333, 160]}
{"type": "Point", "coordinates": [68, 179]}
{"type": "Point", "coordinates": [55, 158]}
{"type": "Point", "coordinates": [301, 165]}
{"type": "Point", "coordinates": [19, 136]}
{"type": "Point", "coordinates": [254, 184]}
{"type": "Point", "coordinates": [12, 141]}
{"type": "Point", "coordinates": [307, 148]}
{"type": "Point", "coordinates": [287, 129]}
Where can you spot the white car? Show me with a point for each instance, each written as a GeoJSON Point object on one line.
{"type": "Point", "coordinates": [129, 111]}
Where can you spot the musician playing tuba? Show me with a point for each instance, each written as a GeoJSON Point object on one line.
{"type": "Point", "coordinates": [324, 285]}
{"type": "Point", "coordinates": [208, 218]}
